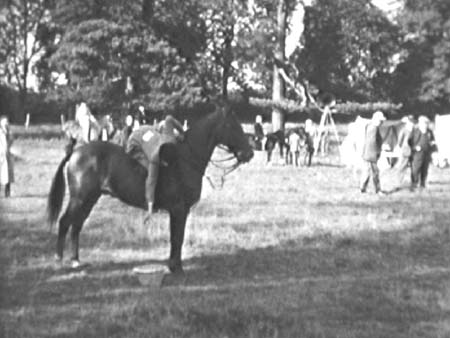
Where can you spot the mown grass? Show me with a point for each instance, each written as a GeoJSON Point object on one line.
{"type": "Point", "coordinates": [278, 252]}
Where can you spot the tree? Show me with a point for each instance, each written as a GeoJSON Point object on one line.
{"type": "Point", "coordinates": [21, 22]}
{"type": "Point", "coordinates": [422, 76]}
{"type": "Point", "coordinates": [105, 44]}
{"type": "Point", "coordinates": [348, 46]}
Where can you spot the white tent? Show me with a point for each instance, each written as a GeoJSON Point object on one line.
{"type": "Point", "coordinates": [352, 146]}
{"type": "Point", "coordinates": [442, 135]}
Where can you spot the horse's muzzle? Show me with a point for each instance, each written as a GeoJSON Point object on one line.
{"type": "Point", "coordinates": [244, 156]}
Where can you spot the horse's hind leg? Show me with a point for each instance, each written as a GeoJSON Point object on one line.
{"type": "Point", "coordinates": [76, 213]}
{"type": "Point", "coordinates": [64, 223]}
{"type": "Point", "coordinates": [81, 215]}
{"type": "Point", "coordinates": [269, 155]}
{"type": "Point", "coordinates": [308, 158]}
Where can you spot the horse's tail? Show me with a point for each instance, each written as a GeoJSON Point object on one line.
{"type": "Point", "coordinates": [58, 187]}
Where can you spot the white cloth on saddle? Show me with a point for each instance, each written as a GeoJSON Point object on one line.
{"type": "Point", "coordinates": [144, 144]}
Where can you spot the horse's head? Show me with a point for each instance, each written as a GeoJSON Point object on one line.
{"type": "Point", "coordinates": [230, 134]}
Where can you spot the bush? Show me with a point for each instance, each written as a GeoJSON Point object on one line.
{"type": "Point", "coordinates": [343, 112]}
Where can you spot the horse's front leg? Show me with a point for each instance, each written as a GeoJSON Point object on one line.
{"type": "Point", "coordinates": [177, 226]}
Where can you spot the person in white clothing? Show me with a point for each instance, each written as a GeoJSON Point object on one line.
{"type": "Point", "coordinates": [294, 147]}
{"type": "Point", "coordinates": [6, 158]}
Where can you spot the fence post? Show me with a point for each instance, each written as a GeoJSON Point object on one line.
{"type": "Point", "coordinates": [63, 120]}
{"type": "Point", "coordinates": [27, 121]}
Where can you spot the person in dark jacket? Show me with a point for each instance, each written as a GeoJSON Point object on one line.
{"type": "Point", "coordinates": [259, 132]}
{"type": "Point", "coordinates": [422, 143]}
{"type": "Point", "coordinates": [371, 153]}
{"type": "Point", "coordinates": [404, 148]}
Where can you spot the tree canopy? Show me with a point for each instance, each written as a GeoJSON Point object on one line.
{"type": "Point", "coordinates": [422, 77]}
{"type": "Point", "coordinates": [171, 55]}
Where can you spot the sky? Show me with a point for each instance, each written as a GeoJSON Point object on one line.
{"type": "Point", "coordinates": [387, 5]}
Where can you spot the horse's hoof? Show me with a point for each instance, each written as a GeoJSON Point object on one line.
{"type": "Point", "coordinates": [75, 264]}
{"type": "Point", "coordinates": [58, 258]}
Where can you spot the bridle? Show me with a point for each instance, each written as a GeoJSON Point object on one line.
{"type": "Point", "coordinates": [226, 170]}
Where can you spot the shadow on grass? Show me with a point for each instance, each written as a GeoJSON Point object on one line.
{"type": "Point", "coordinates": [368, 277]}
{"type": "Point", "coordinates": [298, 259]}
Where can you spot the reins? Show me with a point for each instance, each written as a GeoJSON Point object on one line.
{"type": "Point", "coordinates": [226, 170]}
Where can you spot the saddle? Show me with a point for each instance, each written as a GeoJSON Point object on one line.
{"type": "Point", "coordinates": [167, 154]}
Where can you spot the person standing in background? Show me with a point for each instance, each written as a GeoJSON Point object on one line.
{"type": "Point", "coordinates": [258, 131]}
{"type": "Point", "coordinates": [127, 129]}
{"type": "Point", "coordinates": [404, 148]}
{"type": "Point", "coordinates": [90, 129]}
{"type": "Point", "coordinates": [422, 143]}
{"type": "Point", "coordinates": [371, 153]}
{"type": "Point", "coordinates": [294, 148]}
{"type": "Point", "coordinates": [141, 116]}
{"type": "Point", "coordinates": [6, 158]}
{"type": "Point", "coordinates": [312, 134]}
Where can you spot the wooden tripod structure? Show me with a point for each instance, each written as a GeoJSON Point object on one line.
{"type": "Point", "coordinates": [326, 125]}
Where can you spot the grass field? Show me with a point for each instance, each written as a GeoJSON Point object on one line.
{"type": "Point", "coordinates": [278, 252]}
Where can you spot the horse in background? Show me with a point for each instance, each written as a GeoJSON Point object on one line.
{"type": "Point", "coordinates": [86, 128]}
{"type": "Point", "coordinates": [274, 139]}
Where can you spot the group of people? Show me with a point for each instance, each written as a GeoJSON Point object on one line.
{"type": "Point", "coordinates": [415, 146]}
{"type": "Point", "coordinates": [302, 138]}
{"type": "Point", "coordinates": [294, 140]}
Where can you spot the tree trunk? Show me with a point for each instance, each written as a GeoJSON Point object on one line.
{"type": "Point", "coordinates": [227, 59]}
{"type": "Point", "coordinates": [278, 88]}
{"type": "Point", "coordinates": [21, 113]}
{"type": "Point", "coordinates": [147, 10]}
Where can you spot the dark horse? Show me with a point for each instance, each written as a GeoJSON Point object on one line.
{"type": "Point", "coordinates": [272, 140]}
{"type": "Point", "coordinates": [103, 168]}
